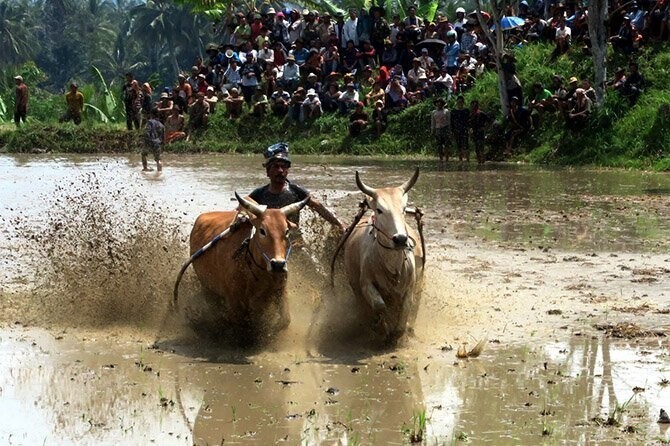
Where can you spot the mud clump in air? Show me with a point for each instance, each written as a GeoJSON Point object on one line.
{"type": "Point", "coordinates": [103, 254]}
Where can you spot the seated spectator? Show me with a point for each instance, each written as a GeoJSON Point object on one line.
{"type": "Point", "coordinates": [619, 80]}
{"type": "Point", "coordinates": [396, 95]}
{"type": "Point", "coordinates": [379, 120]}
{"type": "Point", "coordinates": [300, 53]}
{"type": "Point", "coordinates": [234, 104]}
{"type": "Point", "coordinates": [349, 57]}
{"type": "Point", "coordinates": [266, 55]}
{"type": "Point", "coordinates": [164, 106]}
{"type": "Point", "coordinates": [331, 98]}
{"type": "Point", "coordinates": [312, 82]}
{"type": "Point", "coordinates": [375, 94]}
{"type": "Point", "coordinates": [540, 99]}
{"type": "Point", "coordinates": [348, 99]}
{"type": "Point", "coordinates": [467, 61]}
{"type": "Point", "coordinates": [259, 104]}
{"type": "Point", "coordinates": [269, 80]}
{"type": "Point", "coordinates": [421, 92]}
{"type": "Point", "coordinates": [625, 38]}
{"type": "Point", "coordinates": [538, 28]}
{"type": "Point", "coordinates": [331, 60]}
{"type": "Point", "coordinates": [174, 126]}
{"type": "Point", "coordinates": [311, 106]}
{"type": "Point", "coordinates": [211, 99]}
{"type": "Point", "coordinates": [444, 83]}
{"type": "Point", "coordinates": [390, 55]}
{"type": "Point", "coordinates": [295, 105]}
{"type": "Point", "coordinates": [291, 75]}
{"type": "Point", "coordinates": [314, 63]}
{"type": "Point", "coordinates": [414, 74]}
{"type": "Point", "coordinates": [427, 62]}
{"type": "Point", "coordinates": [579, 115]}
{"type": "Point", "coordinates": [589, 90]}
{"type": "Point", "coordinates": [366, 56]}
{"type": "Point", "coordinates": [520, 123]}
{"type": "Point", "coordinates": [634, 83]}
{"type": "Point", "coordinates": [279, 101]}
{"type": "Point", "coordinates": [231, 76]}
{"type": "Point", "coordinates": [198, 116]}
{"type": "Point", "coordinates": [562, 39]}
{"type": "Point", "coordinates": [358, 120]}
{"type": "Point", "coordinates": [280, 55]}
{"type": "Point", "coordinates": [463, 80]}
{"type": "Point", "coordinates": [367, 78]}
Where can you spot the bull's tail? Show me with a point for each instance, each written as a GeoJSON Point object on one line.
{"type": "Point", "coordinates": [198, 253]}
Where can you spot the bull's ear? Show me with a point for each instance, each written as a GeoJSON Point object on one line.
{"type": "Point", "coordinates": [407, 185]}
{"type": "Point", "coordinates": [295, 207]}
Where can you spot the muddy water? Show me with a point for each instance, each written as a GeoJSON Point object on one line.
{"type": "Point", "coordinates": [545, 264]}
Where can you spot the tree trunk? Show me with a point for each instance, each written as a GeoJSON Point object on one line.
{"type": "Point", "coordinates": [497, 42]}
{"type": "Point", "coordinates": [598, 34]}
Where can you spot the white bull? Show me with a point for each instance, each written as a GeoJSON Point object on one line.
{"type": "Point", "coordinates": [383, 260]}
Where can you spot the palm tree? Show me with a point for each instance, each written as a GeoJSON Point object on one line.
{"type": "Point", "coordinates": [16, 33]}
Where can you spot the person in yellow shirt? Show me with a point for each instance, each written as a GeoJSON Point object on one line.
{"type": "Point", "coordinates": [74, 100]}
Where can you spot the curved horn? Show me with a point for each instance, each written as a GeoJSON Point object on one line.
{"type": "Point", "coordinates": [367, 190]}
{"type": "Point", "coordinates": [294, 207]}
{"type": "Point", "coordinates": [249, 206]}
{"type": "Point", "coordinates": [407, 185]}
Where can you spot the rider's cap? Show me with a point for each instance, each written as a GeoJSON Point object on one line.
{"type": "Point", "coordinates": [277, 152]}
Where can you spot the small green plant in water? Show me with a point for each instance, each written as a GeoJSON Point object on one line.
{"type": "Point", "coordinates": [417, 431]}
{"type": "Point", "coordinates": [619, 409]}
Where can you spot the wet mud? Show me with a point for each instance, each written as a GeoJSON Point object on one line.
{"type": "Point", "coordinates": [564, 274]}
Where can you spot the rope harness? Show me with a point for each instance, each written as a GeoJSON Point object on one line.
{"type": "Point", "coordinates": [363, 207]}
{"type": "Point", "coordinates": [234, 226]}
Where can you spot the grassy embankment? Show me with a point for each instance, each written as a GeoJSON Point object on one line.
{"type": "Point", "coordinates": [619, 134]}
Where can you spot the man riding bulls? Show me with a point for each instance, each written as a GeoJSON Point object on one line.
{"type": "Point", "coordinates": [281, 192]}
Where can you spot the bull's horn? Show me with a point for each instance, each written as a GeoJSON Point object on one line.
{"type": "Point", "coordinates": [367, 190]}
{"type": "Point", "coordinates": [294, 207]}
{"type": "Point", "coordinates": [407, 185]}
{"type": "Point", "coordinates": [249, 206]}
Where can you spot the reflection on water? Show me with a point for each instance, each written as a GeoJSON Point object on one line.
{"type": "Point", "coordinates": [69, 392]}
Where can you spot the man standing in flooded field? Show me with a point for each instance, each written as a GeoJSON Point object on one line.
{"type": "Point", "coordinates": [74, 100]}
{"type": "Point", "coordinates": [21, 101]}
{"type": "Point", "coordinates": [153, 139]}
{"type": "Point", "coordinates": [281, 192]}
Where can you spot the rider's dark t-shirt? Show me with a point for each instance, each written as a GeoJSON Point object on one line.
{"type": "Point", "coordinates": [292, 194]}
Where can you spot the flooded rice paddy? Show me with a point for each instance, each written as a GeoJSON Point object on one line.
{"type": "Point", "coordinates": [565, 272]}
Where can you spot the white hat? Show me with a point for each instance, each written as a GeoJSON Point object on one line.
{"type": "Point", "coordinates": [229, 53]}
{"type": "Point", "coordinates": [460, 10]}
{"type": "Point", "coordinates": [18, 78]}
{"type": "Point", "coordinates": [271, 10]}
{"type": "Point", "coordinates": [311, 92]}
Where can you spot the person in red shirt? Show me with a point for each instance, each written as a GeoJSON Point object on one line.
{"type": "Point", "coordinates": [21, 102]}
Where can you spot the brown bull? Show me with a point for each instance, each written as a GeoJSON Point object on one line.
{"type": "Point", "coordinates": [247, 269]}
{"type": "Point", "coordinates": [383, 260]}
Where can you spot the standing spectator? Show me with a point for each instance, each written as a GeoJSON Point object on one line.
{"type": "Point", "coordinates": [349, 31]}
{"type": "Point", "coordinates": [520, 123]}
{"type": "Point", "coordinates": [358, 120]}
{"type": "Point", "coordinates": [338, 27]}
{"type": "Point", "coordinates": [440, 120]}
{"type": "Point", "coordinates": [74, 102]}
{"type": "Point", "coordinates": [364, 26]}
{"type": "Point", "coordinates": [153, 139]}
{"type": "Point", "coordinates": [130, 98]}
{"type": "Point", "coordinates": [325, 28]}
{"type": "Point", "coordinates": [413, 25]}
{"type": "Point", "coordinates": [242, 33]}
{"type": "Point", "coordinates": [380, 32]}
{"type": "Point", "coordinates": [280, 30]}
{"type": "Point", "coordinates": [450, 53]}
{"type": "Point", "coordinates": [147, 100]}
{"type": "Point", "coordinates": [296, 26]}
{"type": "Point", "coordinates": [460, 121]}
{"type": "Point", "coordinates": [478, 122]}
{"type": "Point", "coordinates": [232, 76]}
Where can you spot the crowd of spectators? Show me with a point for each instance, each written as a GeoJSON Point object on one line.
{"type": "Point", "coordinates": [300, 64]}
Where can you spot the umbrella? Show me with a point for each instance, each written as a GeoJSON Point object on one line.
{"type": "Point", "coordinates": [510, 22]}
{"type": "Point", "coordinates": [433, 45]}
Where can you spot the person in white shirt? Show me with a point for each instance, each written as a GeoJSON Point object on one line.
{"type": "Point", "coordinates": [444, 83]}
{"type": "Point", "coordinates": [349, 31]}
{"type": "Point", "coordinates": [291, 74]}
{"type": "Point", "coordinates": [266, 55]}
{"type": "Point", "coordinates": [311, 106]}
